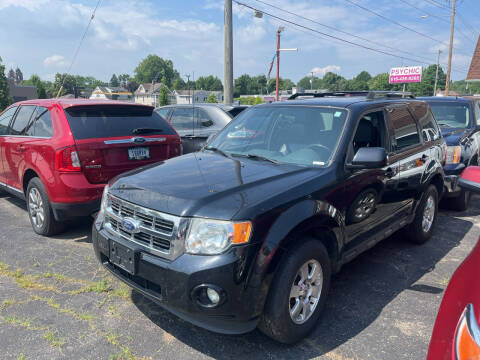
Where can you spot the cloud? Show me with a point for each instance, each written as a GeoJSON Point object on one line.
{"type": "Point", "coordinates": [30, 5]}
{"type": "Point", "coordinates": [55, 61]}
{"type": "Point", "coordinates": [322, 71]}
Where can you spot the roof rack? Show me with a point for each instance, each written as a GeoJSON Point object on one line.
{"type": "Point", "coordinates": [369, 95]}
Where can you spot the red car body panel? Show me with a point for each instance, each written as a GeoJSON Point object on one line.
{"type": "Point", "coordinates": [21, 156]}
{"type": "Point", "coordinates": [463, 290]}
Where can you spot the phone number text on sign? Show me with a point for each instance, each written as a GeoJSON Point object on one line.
{"type": "Point", "coordinates": [410, 74]}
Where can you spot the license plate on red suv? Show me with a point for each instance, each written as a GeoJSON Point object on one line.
{"type": "Point", "coordinates": [138, 153]}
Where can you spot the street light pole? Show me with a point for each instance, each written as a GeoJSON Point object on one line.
{"type": "Point", "coordinates": [311, 80]}
{"type": "Point", "coordinates": [228, 54]}
{"type": "Point", "coordinates": [436, 73]}
{"type": "Point", "coordinates": [278, 62]}
{"type": "Point", "coordinates": [450, 49]}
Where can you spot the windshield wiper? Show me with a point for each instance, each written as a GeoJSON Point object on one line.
{"type": "Point", "coordinates": [257, 157]}
{"type": "Point", "coordinates": [145, 130]}
{"type": "Point", "coordinates": [217, 150]}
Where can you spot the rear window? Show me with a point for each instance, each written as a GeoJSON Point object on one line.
{"type": "Point", "coordinates": [111, 121]}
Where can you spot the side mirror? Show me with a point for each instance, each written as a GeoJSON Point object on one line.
{"type": "Point", "coordinates": [369, 158]}
{"type": "Point", "coordinates": [470, 179]}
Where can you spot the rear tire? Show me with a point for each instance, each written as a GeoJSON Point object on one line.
{"type": "Point", "coordinates": [298, 293]}
{"type": "Point", "coordinates": [460, 202]}
{"type": "Point", "coordinates": [421, 229]}
{"type": "Point", "coordinates": [40, 211]}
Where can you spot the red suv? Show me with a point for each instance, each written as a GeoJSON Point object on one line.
{"type": "Point", "coordinates": [59, 154]}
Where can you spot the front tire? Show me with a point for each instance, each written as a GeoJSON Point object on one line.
{"type": "Point", "coordinates": [40, 211]}
{"type": "Point", "coordinates": [421, 229]}
{"type": "Point", "coordinates": [298, 293]}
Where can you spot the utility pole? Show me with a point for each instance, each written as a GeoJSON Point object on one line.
{"type": "Point", "coordinates": [188, 86]}
{"type": "Point", "coordinates": [450, 49]}
{"type": "Point", "coordinates": [280, 29]}
{"type": "Point", "coordinates": [228, 54]}
{"type": "Point", "coordinates": [436, 73]}
{"type": "Point", "coordinates": [311, 80]}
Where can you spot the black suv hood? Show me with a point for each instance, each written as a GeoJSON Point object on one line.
{"type": "Point", "coordinates": [453, 136]}
{"type": "Point", "coordinates": [208, 185]}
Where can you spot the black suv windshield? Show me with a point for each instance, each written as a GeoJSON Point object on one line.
{"type": "Point", "coordinates": [298, 135]}
{"type": "Point", "coordinates": [451, 114]}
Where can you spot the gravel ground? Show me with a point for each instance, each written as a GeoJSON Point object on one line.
{"type": "Point", "coordinates": [56, 302]}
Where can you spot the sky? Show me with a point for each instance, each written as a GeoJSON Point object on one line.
{"type": "Point", "coordinates": [41, 36]}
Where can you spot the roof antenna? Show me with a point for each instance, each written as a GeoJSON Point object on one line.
{"type": "Point", "coordinates": [78, 48]}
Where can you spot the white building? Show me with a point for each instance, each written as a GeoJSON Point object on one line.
{"type": "Point", "coordinates": [111, 93]}
{"type": "Point", "coordinates": [148, 94]}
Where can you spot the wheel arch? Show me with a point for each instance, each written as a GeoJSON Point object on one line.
{"type": "Point", "coordinates": [27, 176]}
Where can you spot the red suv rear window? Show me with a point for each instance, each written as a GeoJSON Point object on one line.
{"type": "Point", "coordinates": [102, 121]}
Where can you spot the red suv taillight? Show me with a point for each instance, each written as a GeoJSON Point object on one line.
{"type": "Point", "coordinates": [66, 159]}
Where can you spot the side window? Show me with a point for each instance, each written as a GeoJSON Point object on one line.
{"type": "Point", "coordinates": [42, 124]}
{"type": "Point", "coordinates": [5, 120]}
{"type": "Point", "coordinates": [404, 128]}
{"type": "Point", "coordinates": [182, 118]}
{"type": "Point", "coordinates": [163, 112]}
{"type": "Point", "coordinates": [423, 114]}
{"type": "Point", "coordinates": [21, 123]}
{"type": "Point", "coordinates": [202, 120]}
{"type": "Point", "coordinates": [370, 131]}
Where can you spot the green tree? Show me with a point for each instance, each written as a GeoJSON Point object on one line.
{"type": "Point", "coordinates": [154, 67]}
{"type": "Point", "coordinates": [426, 86]}
{"type": "Point", "coordinates": [283, 84]}
{"type": "Point", "coordinates": [163, 97]}
{"type": "Point", "coordinates": [360, 82]}
{"type": "Point", "coordinates": [258, 100]}
{"type": "Point", "coordinates": [18, 76]}
{"type": "Point", "coordinates": [123, 79]}
{"type": "Point", "coordinates": [304, 83]}
{"type": "Point", "coordinates": [132, 85]}
{"type": "Point", "coordinates": [209, 83]}
{"type": "Point", "coordinates": [178, 84]}
{"type": "Point", "coordinates": [68, 81]}
{"type": "Point", "coordinates": [380, 82]}
{"type": "Point", "coordinates": [212, 98]}
{"type": "Point", "coordinates": [114, 81]}
{"type": "Point", "coordinates": [38, 83]}
{"type": "Point", "coordinates": [5, 99]}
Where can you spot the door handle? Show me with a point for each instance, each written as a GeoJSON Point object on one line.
{"type": "Point", "coordinates": [389, 173]}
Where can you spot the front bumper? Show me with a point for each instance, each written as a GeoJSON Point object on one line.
{"type": "Point", "coordinates": [170, 283]}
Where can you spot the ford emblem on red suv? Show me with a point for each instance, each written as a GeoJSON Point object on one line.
{"type": "Point", "coordinates": [139, 140]}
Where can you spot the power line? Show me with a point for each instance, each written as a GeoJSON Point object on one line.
{"type": "Point", "coordinates": [341, 31]}
{"type": "Point", "coordinates": [79, 46]}
{"type": "Point", "coordinates": [439, 18]}
{"type": "Point", "coordinates": [335, 37]}
{"type": "Point", "coordinates": [398, 24]}
{"type": "Point", "coordinates": [438, 5]}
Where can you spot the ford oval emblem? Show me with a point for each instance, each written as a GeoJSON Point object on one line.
{"type": "Point", "coordinates": [139, 140]}
{"type": "Point", "coordinates": [130, 225]}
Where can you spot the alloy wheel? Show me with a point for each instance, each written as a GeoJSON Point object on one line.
{"type": "Point", "coordinates": [35, 207]}
{"type": "Point", "coordinates": [428, 214]}
{"type": "Point", "coordinates": [305, 291]}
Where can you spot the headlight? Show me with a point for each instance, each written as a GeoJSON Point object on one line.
{"type": "Point", "coordinates": [454, 154]}
{"type": "Point", "coordinates": [103, 204]}
{"type": "Point", "coordinates": [210, 237]}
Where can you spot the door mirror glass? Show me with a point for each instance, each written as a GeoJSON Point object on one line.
{"type": "Point", "coordinates": [370, 158]}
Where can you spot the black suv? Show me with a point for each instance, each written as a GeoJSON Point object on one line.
{"type": "Point", "coordinates": [459, 120]}
{"type": "Point", "coordinates": [281, 198]}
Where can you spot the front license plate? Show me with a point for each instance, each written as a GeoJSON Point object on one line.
{"type": "Point", "coordinates": [122, 256]}
{"type": "Point", "coordinates": [139, 153]}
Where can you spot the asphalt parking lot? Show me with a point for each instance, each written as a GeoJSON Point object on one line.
{"type": "Point", "coordinates": [56, 302]}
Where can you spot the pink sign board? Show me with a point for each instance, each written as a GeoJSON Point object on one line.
{"type": "Point", "coordinates": [410, 74]}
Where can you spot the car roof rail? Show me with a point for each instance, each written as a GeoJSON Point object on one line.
{"type": "Point", "coordinates": [369, 95]}
{"type": "Point", "coordinates": [389, 94]}
{"type": "Point", "coordinates": [328, 93]}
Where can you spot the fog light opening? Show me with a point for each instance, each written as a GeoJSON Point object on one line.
{"type": "Point", "coordinates": [208, 295]}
